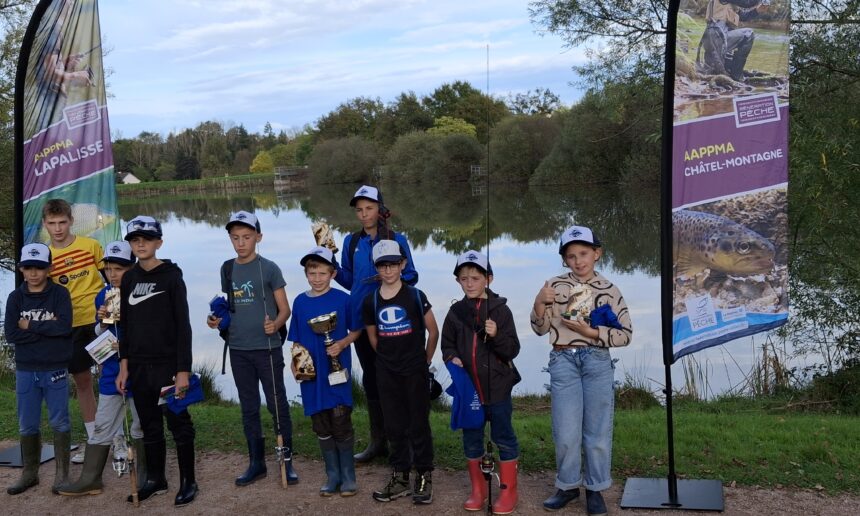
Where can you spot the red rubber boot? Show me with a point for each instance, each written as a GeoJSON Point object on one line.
{"type": "Point", "coordinates": [478, 497]}
{"type": "Point", "coordinates": [507, 500]}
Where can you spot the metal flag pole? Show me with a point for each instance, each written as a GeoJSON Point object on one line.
{"type": "Point", "coordinates": [664, 493]}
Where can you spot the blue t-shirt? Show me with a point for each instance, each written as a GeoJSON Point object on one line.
{"type": "Point", "coordinates": [317, 394]}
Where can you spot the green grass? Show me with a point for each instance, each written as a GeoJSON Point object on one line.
{"type": "Point", "coordinates": [735, 439]}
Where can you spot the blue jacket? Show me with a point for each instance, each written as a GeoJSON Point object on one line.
{"type": "Point", "coordinates": [47, 344]}
{"type": "Point", "coordinates": [110, 367]}
{"type": "Point", "coordinates": [354, 272]}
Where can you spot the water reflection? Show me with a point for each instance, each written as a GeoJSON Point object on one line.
{"type": "Point", "coordinates": [440, 223]}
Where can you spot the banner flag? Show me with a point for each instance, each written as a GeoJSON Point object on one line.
{"type": "Point", "coordinates": [729, 171]}
{"type": "Point", "coordinates": [66, 151]}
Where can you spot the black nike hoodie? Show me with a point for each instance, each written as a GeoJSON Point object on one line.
{"type": "Point", "coordinates": [154, 316]}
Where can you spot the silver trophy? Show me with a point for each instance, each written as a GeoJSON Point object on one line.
{"type": "Point", "coordinates": [324, 325]}
{"type": "Point", "coordinates": [111, 306]}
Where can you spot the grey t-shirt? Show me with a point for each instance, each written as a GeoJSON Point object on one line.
{"type": "Point", "coordinates": [246, 323]}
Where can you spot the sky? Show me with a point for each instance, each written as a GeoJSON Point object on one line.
{"type": "Point", "coordinates": [177, 63]}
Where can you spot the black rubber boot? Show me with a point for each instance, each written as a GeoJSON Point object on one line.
{"type": "Point", "coordinates": [156, 482]}
{"type": "Point", "coordinates": [378, 446]}
{"type": "Point", "coordinates": [62, 455]}
{"type": "Point", "coordinates": [140, 462]}
{"type": "Point", "coordinates": [257, 465]}
{"type": "Point", "coordinates": [31, 452]}
{"type": "Point", "coordinates": [90, 481]}
{"type": "Point", "coordinates": [187, 482]}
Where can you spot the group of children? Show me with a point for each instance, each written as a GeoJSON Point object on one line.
{"type": "Point", "coordinates": [395, 334]}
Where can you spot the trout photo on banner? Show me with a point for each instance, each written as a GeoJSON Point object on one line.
{"type": "Point", "coordinates": [729, 171]}
{"type": "Point", "coordinates": [66, 135]}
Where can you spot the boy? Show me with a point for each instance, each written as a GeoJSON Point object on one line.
{"type": "Point", "coordinates": [395, 316]}
{"type": "Point", "coordinates": [259, 308]}
{"type": "Point", "coordinates": [77, 267]}
{"type": "Point", "coordinates": [357, 274]}
{"type": "Point", "coordinates": [110, 414]}
{"type": "Point", "coordinates": [580, 368]}
{"type": "Point", "coordinates": [479, 336]}
{"type": "Point", "coordinates": [329, 406]}
{"type": "Point", "coordinates": [155, 352]}
{"type": "Point", "coordinates": [39, 324]}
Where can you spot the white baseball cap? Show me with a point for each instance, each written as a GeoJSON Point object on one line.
{"type": "Point", "coordinates": [387, 251]}
{"type": "Point", "coordinates": [475, 258]}
{"type": "Point", "coordinates": [366, 192]}
{"type": "Point", "coordinates": [118, 251]}
{"type": "Point", "coordinates": [245, 218]}
{"type": "Point", "coordinates": [577, 234]}
{"type": "Point", "coordinates": [35, 255]}
{"type": "Point", "coordinates": [318, 253]}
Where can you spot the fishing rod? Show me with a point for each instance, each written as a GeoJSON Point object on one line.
{"type": "Point", "coordinates": [130, 462]}
{"type": "Point", "coordinates": [283, 454]}
{"type": "Point", "coordinates": [488, 460]}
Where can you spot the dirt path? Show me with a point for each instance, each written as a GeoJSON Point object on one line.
{"type": "Point", "coordinates": [218, 495]}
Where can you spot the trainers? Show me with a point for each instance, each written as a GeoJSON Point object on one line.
{"type": "Point", "coordinates": [422, 493]}
{"type": "Point", "coordinates": [398, 485]}
{"type": "Point", "coordinates": [120, 448]}
{"type": "Point", "coordinates": [594, 503]}
{"type": "Point", "coordinates": [77, 458]}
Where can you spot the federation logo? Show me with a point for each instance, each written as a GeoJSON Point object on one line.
{"type": "Point", "coordinates": [34, 253]}
{"type": "Point", "coordinates": [241, 216]}
{"type": "Point", "coordinates": [472, 257]}
{"type": "Point", "coordinates": [115, 249]}
{"type": "Point", "coordinates": [363, 191]}
{"type": "Point", "coordinates": [575, 233]}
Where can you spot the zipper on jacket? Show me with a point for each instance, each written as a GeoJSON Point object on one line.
{"type": "Point", "coordinates": [475, 354]}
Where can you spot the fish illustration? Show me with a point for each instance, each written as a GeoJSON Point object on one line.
{"type": "Point", "coordinates": [705, 241]}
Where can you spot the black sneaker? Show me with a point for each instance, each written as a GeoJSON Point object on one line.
{"type": "Point", "coordinates": [561, 498]}
{"type": "Point", "coordinates": [397, 486]}
{"type": "Point", "coordinates": [594, 503]}
{"type": "Point", "coordinates": [422, 493]}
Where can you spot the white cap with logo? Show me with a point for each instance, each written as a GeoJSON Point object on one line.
{"type": "Point", "coordinates": [387, 251]}
{"type": "Point", "coordinates": [577, 234]}
{"type": "Point", "coordinates": [35, 255]}
{"type": "Point", "coordinates": [320, 253]}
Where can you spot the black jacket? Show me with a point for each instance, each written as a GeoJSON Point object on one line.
{"type": "Point", "coordinates": [47, 344]}
{"type": "Point", "coordinates": [463, 337]}
{"type": "Point", "coordinates": [154, 319]}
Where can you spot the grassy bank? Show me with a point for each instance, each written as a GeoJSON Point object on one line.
{"type": "Point", "coordinates": [733, 441]}
{"type": "Point", "coordinates": [230, 183]}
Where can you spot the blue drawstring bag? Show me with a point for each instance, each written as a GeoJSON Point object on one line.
{"type": "Point", "coordinates": [194, 394]}
{"type": "Point", "coordinates": [604, 316]}
{"type": "Point", "coordinates": [466, 408]}
{"type": "Point", "coordinates": [220, 308]}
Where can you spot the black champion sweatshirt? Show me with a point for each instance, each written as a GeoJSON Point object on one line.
{"type": "Point", "coordinates": [154, 319]}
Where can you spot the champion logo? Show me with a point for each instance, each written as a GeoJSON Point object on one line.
{"type": "Point", "coordinates": [142, 292]}
{"type": "Point", "coordinates": [34, 253]}
{"type": "Point", "coordinates": [391, 315]}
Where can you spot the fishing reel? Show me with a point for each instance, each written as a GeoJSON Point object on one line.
{"type": "Point", "coordinates": [283, 454]}
{"type": "Point", "coordinates": [488, 462]}
{"type": "Point", "coordinates": [122, 466]}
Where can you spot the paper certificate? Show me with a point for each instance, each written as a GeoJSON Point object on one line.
{"type": "Point", "coordinates": [102, 347]}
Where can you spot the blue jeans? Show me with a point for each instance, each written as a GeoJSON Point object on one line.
{"type": "Point", "coordinates": [31, 388]}
{"type": "Point", "coordinates": [501, 433]}
{"type": "Point", "coordinates": [251, 368]}
{"type": "Point", "coordinates": [583, 404]}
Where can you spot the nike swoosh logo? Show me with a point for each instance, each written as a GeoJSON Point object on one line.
{"type": "Point", "coordinates": [135, 300]}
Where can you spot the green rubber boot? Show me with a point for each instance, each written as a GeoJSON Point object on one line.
{"type": "Point", "coordinates": [31, 451]}
{"type": "Point", "coordinates": [62, 455]}
{"type": "Point", "coordinates": [90, 482]}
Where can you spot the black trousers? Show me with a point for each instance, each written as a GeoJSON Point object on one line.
{"type": "Point", "coordinates": [405, 400]}
{"type": "Point", "coordinates": [146, 381]}
{"type": "Point", "coordinates": [367, 359]}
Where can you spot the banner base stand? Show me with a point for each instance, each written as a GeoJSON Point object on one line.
{"type": "Point", "coordinates": [653, 493]}
{"type": "Point", "coordinates": [11, 456]}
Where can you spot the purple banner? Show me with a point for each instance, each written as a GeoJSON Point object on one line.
{"type": "Point", "coordinates": [729, 171]}
{"type": "Point", "coordinates": [67, 149]}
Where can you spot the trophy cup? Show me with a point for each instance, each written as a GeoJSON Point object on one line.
{"type": "Point", "coordinates": [304, 363]}
{"type": "Point", "coordinates": [323, 325]}
{"type": "Point", "coordinates": [112, 306]}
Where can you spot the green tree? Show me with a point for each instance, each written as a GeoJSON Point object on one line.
{"type": "Point", "coordinates": [541, 101]}
{"type": "Point", "coordinates": [343, 160]}
{"type": "Point", "coordinates": [413, 157]}
{"type": "Point", "coordinates": [263, 163]}
{"type": "Point", "coordinates": [460, 100]}
{"type": "Point", "coordinates": [447, 125]}
{"type": "Point", "coordinates": [405, 115]}
{"type": "Point", "coordinates": [519, 144]}
{"type": "Point", "coordinates": [355, 117]}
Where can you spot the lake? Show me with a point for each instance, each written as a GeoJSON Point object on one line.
{"type": "Point", "coordinates": [523, 229]}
